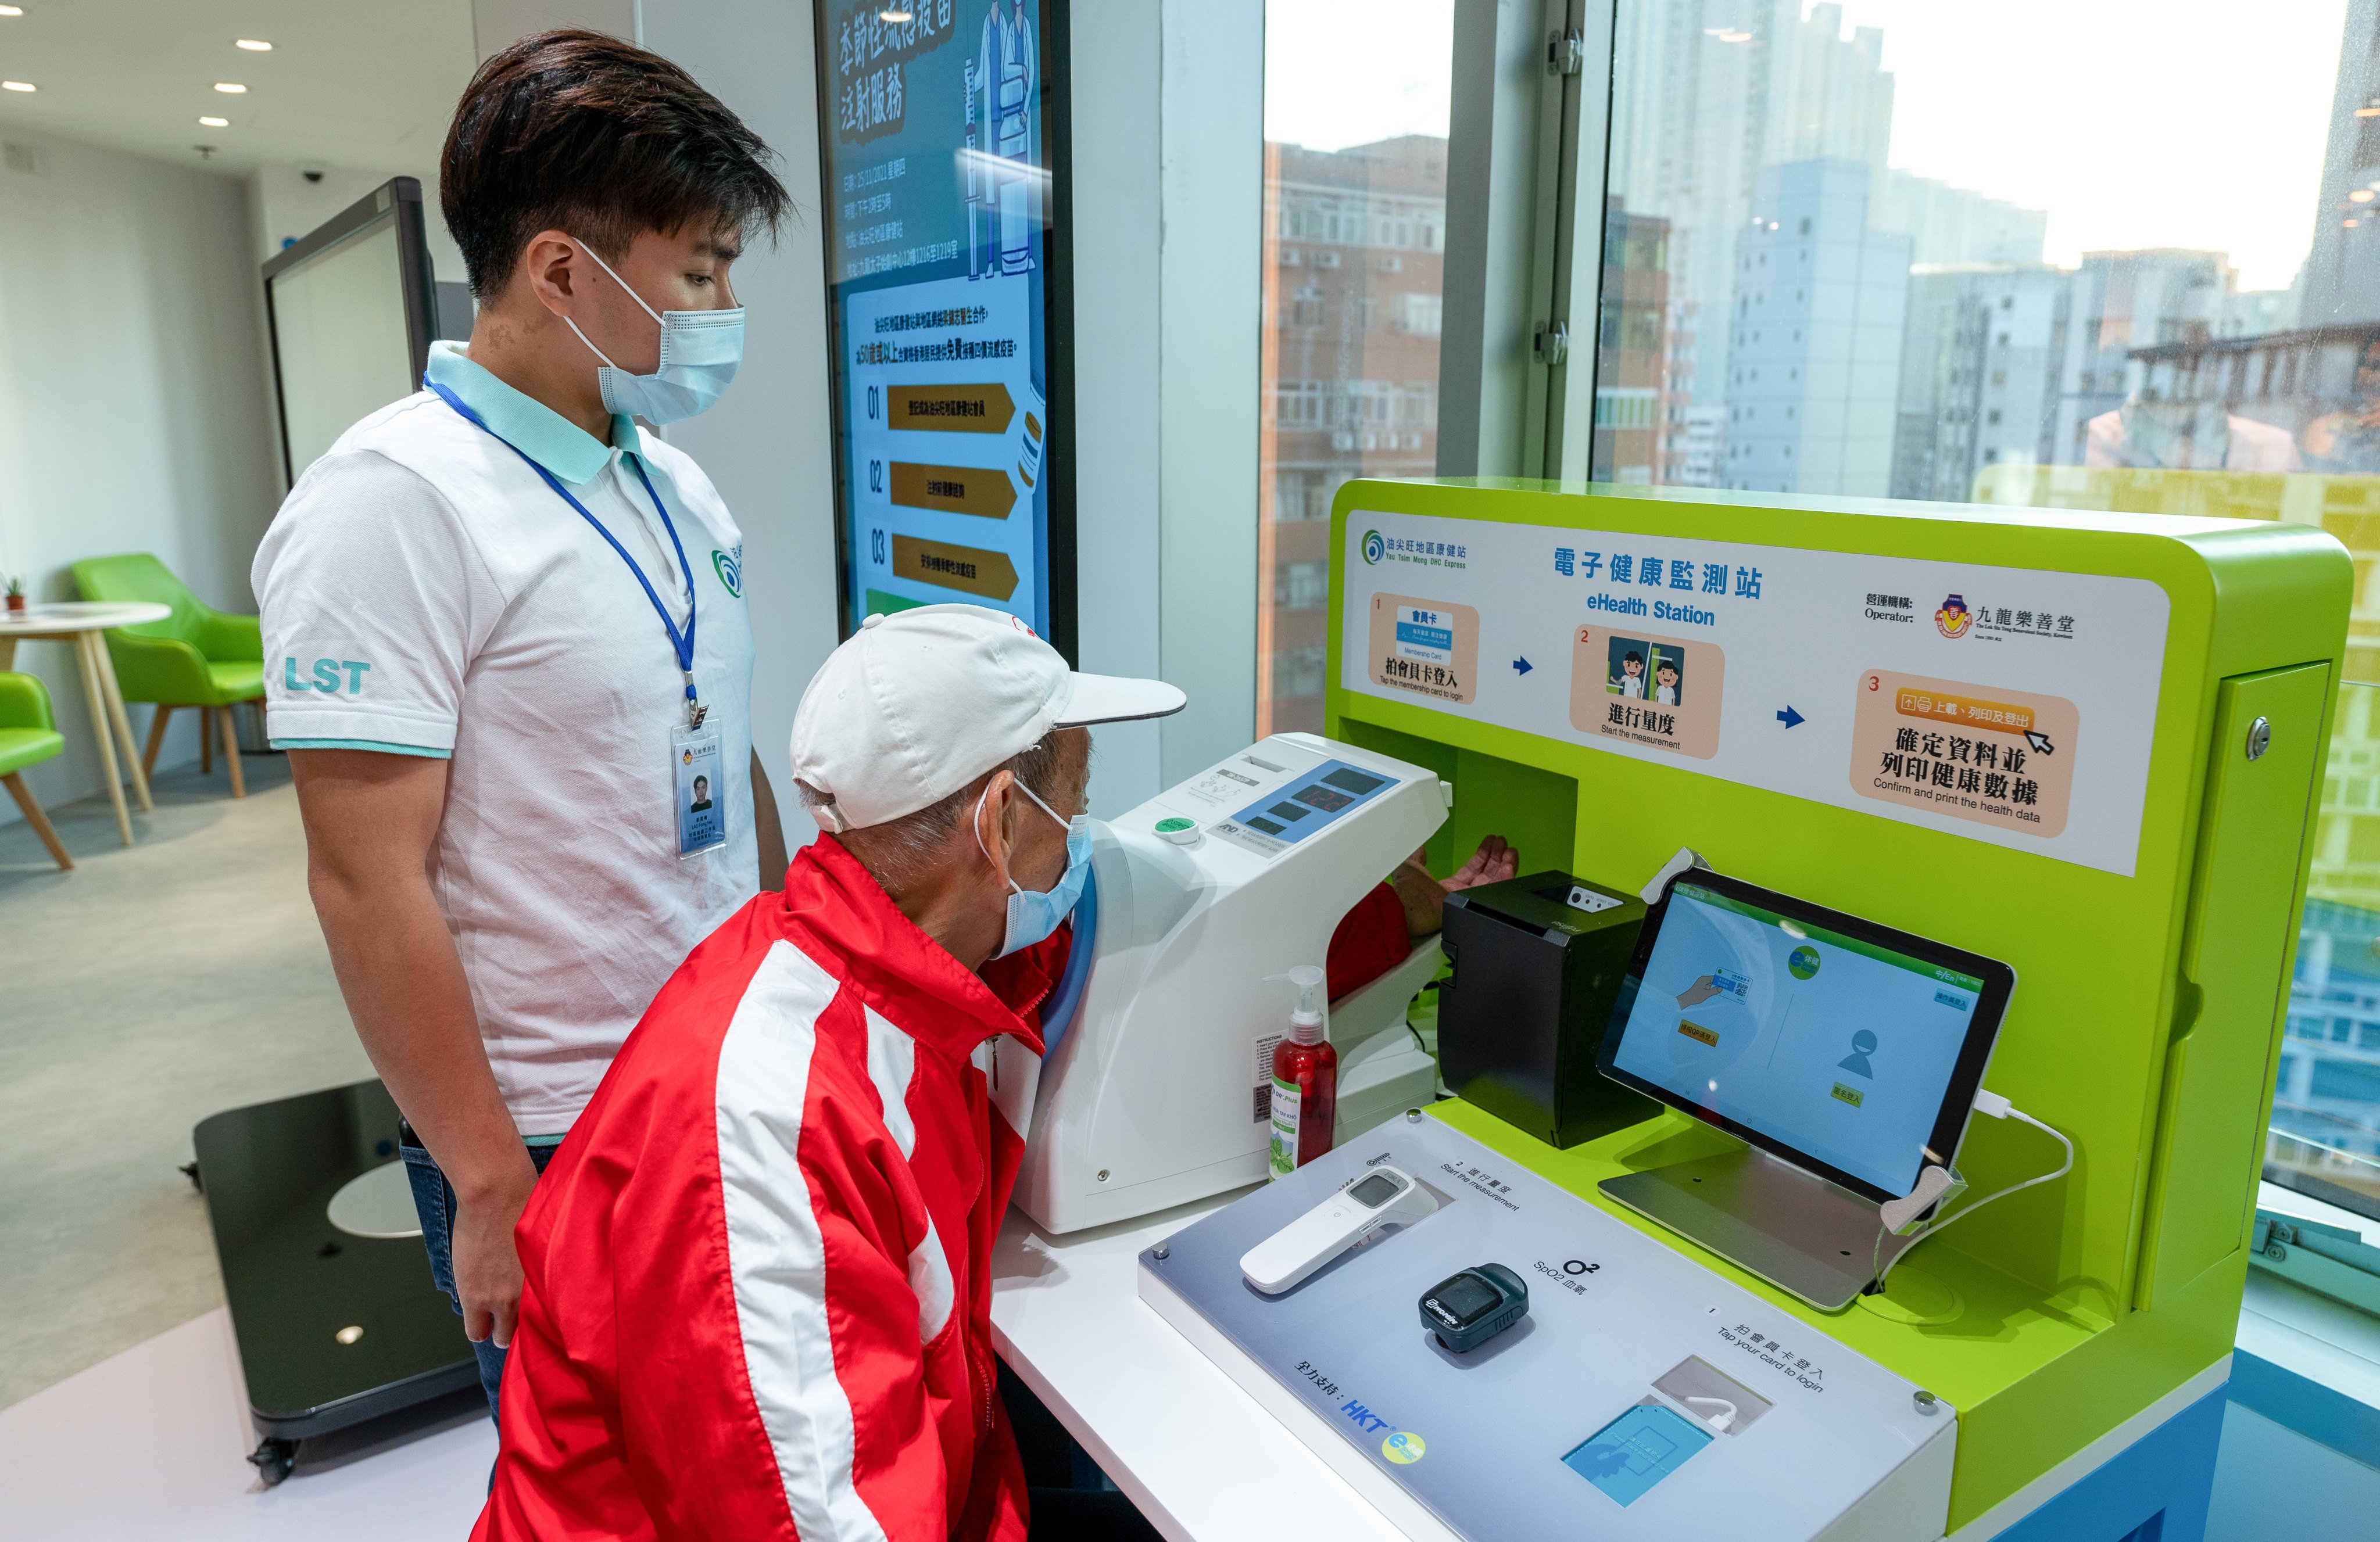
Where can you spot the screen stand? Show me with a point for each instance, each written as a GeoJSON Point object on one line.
{"type": "Point", "coordinates": [1795, 1229]}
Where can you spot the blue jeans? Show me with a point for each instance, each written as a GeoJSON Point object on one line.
{"type": "Point", "coordinates": [433, 1200]}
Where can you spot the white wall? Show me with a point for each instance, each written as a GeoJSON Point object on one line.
{"type": "Point", "coordinates": [131, 378]}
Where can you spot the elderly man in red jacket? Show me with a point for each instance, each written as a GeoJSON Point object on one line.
{"type": "Point", "coordinates": [757, 1298]}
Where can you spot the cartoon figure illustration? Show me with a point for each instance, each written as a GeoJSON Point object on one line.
{"type": "Point", "coordinates": [1000, 177]}
{"type": "Point", "coordinates": [1664, 675]}
{"type": "Point", "coordinates": [1951, 620]}
{"type": "Point", "coordinates": [1856, 1063]}
{"type": "Point", "coordinates": [1631, 682]}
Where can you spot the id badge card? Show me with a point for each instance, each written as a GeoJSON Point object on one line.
{"type": "Point", "coordinates": [701, 790]}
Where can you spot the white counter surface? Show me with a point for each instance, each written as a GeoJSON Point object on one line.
{"type": "Point", "coordinates": [1198, 1456]}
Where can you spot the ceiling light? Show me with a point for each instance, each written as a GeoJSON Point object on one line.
{"type": "Point", "coordinates": [17, 86]}
{"type": "Point", "coordinates": [254, 45]}
{"type": "Point", "coordinates": [2361, 195]}
{"type": "Point", "coordinates": [215, 122]}
{"type": "Point", "coordinates": [231, 87]}
{"type": "Point", "coordinates": [895, 14]}
{"type": "Point", "coordinates": [12, 10]}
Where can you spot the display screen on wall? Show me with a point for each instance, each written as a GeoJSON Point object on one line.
{"type": "Point", "coordinates": [351, 309]}
{"type": "Point", "coordinates": [942, 127]}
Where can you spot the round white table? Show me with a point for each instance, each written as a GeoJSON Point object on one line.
{"type": "Point", "coordinates": [81, 623]}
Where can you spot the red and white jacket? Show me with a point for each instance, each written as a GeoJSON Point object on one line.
{"type": "Point", "coordinates": [758, 1293]}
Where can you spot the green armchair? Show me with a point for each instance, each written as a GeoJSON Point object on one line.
{"type": "Point", "coordinates": [197, 657]}
{"type": "Point", "coordinates": [29, 735]}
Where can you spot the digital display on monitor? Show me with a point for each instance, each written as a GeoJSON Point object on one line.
{"type": "Point", "coordinates": [1831, 1046]}
{"type": "Point", "coordinates": [936, 131]}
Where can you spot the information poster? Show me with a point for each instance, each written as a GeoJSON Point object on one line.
{"type": "Point", "coordinates": [938, 194]}
{"type": "Point", "coordinates": [2010, 705]}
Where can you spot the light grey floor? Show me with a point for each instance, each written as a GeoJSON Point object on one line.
{"type": "Point", "coordinates": [140, 992]}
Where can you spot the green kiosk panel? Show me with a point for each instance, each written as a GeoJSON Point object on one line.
{"type": "Point", "coordinates": [2084, 743]}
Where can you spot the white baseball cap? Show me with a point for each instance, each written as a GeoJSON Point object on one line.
{"type": "Point", "coordinates": [916, 705]}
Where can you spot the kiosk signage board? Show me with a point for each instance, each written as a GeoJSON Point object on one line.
{"type": "Point", "coordinates": [946, 299]}
{"type": "Point", "coordinates": [2003, 703]}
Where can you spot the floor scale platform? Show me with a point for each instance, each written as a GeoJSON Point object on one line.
{"type": "Point", "coordinates": [1642, 1397]}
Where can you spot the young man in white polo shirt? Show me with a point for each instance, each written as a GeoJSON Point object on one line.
{"type": "Point", "coordinates": [505, 637]}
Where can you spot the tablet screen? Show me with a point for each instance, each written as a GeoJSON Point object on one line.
{"type": "Point", "coordinates": [1835, 1047]}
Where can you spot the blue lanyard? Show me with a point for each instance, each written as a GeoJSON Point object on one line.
{"type": "Point", "coordinates": [681, 641]}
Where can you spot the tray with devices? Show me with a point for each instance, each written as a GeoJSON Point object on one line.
{"type": "Point", "coordinates": [1635, 1394]}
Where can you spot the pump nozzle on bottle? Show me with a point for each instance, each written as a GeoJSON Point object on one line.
{"type": "Point", "coordinates": [1309, 1024]}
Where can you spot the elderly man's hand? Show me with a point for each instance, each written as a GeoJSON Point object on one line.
{"type": "Point", "coordinates": [1493, 863]}
{"type": "Point", "coordinates": [1424, 897]}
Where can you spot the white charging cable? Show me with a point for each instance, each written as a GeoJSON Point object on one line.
{"type": "Point", "coordinates": [1997, 1108]}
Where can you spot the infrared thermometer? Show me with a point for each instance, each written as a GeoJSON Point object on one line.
{"type": "Point", "coordinates": [1381, 1196]}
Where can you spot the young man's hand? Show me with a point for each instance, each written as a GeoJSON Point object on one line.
{"type": "Point", "coordinates": [487, 1267]}
{"type": "Point", "coordinates": [371, 820]}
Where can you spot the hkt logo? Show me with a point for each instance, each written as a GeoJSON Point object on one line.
{"type": "Point", "coordinates": [1373, 547]}
{"type": "Point", "coordinates": [1954, 618]}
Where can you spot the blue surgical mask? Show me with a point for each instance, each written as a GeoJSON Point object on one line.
{"type": "Point", "coordinates": [700, 352]}
{"type": "Point", "coordinates": [1032, 914]}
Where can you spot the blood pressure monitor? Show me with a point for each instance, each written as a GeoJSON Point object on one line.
{"type": "Point", "coordinates": [1382, 1196]}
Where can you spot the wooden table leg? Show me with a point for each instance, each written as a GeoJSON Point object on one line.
{"type": "Point", "coordinates": [95, 697]}
{"type": "Point", "coordinates": [8, 653]}
{"type": "Point", "coordinates": [105, 663]}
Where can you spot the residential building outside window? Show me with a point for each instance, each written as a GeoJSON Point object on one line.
{"type": "Point", "coordinates": [1355, 169]}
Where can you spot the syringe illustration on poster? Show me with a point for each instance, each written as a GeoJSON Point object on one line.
{"type": "Point", "coordinates": [939, 208]}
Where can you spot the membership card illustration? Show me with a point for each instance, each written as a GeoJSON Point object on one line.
{"type": "Point", "coordinates": [1979, 753]}
{"type": "Point", "coordinates": [1425, 647]}
{"type": "Point", "coordinates": [1659, 692]}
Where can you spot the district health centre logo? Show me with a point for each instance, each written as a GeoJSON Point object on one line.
{"type": "Point", "coordinates": [730, 569]}
{"type": "Point", "coordinates": [1954, 618]}
{"type": "Point", "coordinates": [1373, 547]}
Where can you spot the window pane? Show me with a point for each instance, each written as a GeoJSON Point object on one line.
{"type": "Point", "coordinates": [2326, 1133]}
{"type": "Point", "coordinates": [1892, 247]}
{"type": "Point", "coordinates": [1355, 115]}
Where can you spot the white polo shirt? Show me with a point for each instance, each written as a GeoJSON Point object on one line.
{"type": "Point", "coordinates": [426, 593]}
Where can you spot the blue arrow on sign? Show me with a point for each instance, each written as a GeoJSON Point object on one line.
{"type": "Point", "coordinates": [1522, 665]}
{"type": "Point", "coordinates": [1791, 718]}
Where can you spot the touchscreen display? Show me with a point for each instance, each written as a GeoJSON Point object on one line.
{"type": "Point", "coordinates": [1834, 1047]}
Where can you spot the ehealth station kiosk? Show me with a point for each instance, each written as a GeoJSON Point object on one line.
{"type": "Point", "coordinates": [2001, 819]}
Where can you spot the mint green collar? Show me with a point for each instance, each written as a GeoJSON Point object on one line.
{"type": "Point", "coordinates": [528, 424]}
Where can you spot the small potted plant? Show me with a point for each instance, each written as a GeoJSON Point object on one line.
{"type": "Point", "coordinates": [16, 597]}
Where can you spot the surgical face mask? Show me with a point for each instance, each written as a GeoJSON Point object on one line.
{"type": "Point", "coordinates": [700, 352]}
{"type": "Point", "coordinates": [1034, 914]}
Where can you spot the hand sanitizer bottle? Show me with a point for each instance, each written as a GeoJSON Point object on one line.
{"type": "Point", "coordinates": [1305, 1078]}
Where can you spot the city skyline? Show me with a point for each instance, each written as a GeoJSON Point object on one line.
{"type": "Point", "coordinates": [2233, 163]}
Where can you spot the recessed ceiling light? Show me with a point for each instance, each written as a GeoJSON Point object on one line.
{"type": "Point", "coordinates": [230, 87]}
{"type": "Point", "coordinates": [17, 86]}
{"type": "Point", "coordinates": [12, 10]}
{"type": "Point", "coordinates": [254, 45]}
{"type": "Point", "coordinates": [215, 122]}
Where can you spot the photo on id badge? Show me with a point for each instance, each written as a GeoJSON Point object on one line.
{"type": "Point", "coordinates": [701, 792]}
